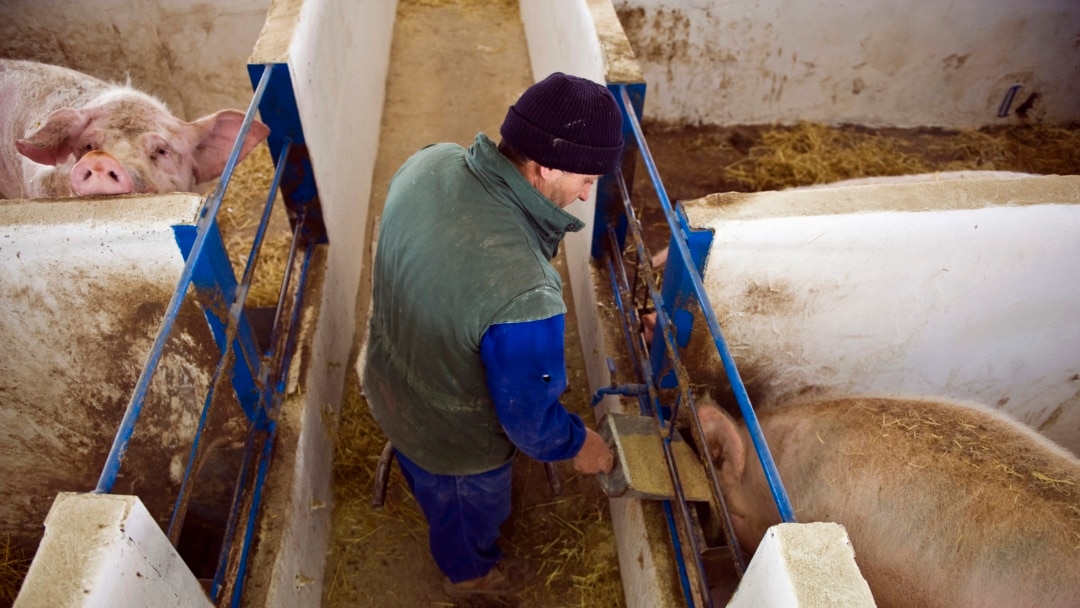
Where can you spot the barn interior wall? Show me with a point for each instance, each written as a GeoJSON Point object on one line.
{"type": "Point", "coordinates": [191, 55]}
{"type": "Point", "coordinates": [876, 63]}
{"type": "Point", "coordinates": [66, 279]}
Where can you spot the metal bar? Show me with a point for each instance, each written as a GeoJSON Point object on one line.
{"type": "Point", "coordinates": [684, 579]}
{"type": "Point", "coordinates": [264, 459]}
{"type": "Point", "coordinates": [234, 155]}
{"type": "Point", "coordinates": [684, 512]}
{"type": "Point", "coordinates": [134, 407]}
{"type": "Point", "coordinates": [234, 516]}
{"type": "Point", "coordinates": [772, 476]}
{"type": "Point", "coordinates": [666, 329]}
{"type": "Point", "coordinates": [263, 419]}
{"type": "Point", "coordinates": [382, 476]}
{"type": "Point", "coordinates": [1007, 101]}
{"type": "Point", "coordinates": [264, 222]}
{"type": "Point", "coordinates": [553, 479]}
{"type": "Point", "coordinates": [256, 500]}
{"type": "Point", "coordinates": [632, 390]}
{"type": "Point", "coordinates": [194, 462]}
{"type": "Point", "coordinates": [274, 352]}
{"type": "Point", "coordinates": [648, 400]}
{"type": "Point", "coordinates": [667, 428]}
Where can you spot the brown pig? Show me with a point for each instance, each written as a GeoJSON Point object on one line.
{"type": "Point", "coordinates": [64, 133]}
{"type": "Point", "coordinates": [946, 504]}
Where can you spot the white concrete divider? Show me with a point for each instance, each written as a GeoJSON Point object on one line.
{"type": "Point", "coordinates": [84, 285]}
{"type": "Point", "coordinates": [106, 550]}
{"type": "Point", "coordinates": [584, 38]}
{"type": "Point", "coordinates": [803, 566]}
{"type": "Point", "coordinates": [338, 55]}
{"type": "Point", "coordinates": [960, 288]}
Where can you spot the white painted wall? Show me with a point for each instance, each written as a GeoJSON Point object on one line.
{"type": "Point", "coordinates": [878, 63]}
{"type": "Point", "coordinates": [561, 37]}
{"type": "Point", "coordinates": [967, 289]}
{"type": "Point", "coordinates": [106, 550]}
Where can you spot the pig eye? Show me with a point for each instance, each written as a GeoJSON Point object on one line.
{"type": "Point", "coordinates": [88, 147]}
{"type": "Point", "coordinates": [162, 152]}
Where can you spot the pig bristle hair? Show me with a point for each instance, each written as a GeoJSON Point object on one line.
{"type": "Point", "coordinates": [118, 90]}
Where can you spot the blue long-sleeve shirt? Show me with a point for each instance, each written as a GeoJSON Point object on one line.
{"type": "Point", "coordinates": [526, 374]}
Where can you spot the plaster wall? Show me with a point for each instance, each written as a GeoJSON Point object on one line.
{"type": "Point", "coordinates": [876, 63]}
{"type": "Point", "coordinates": [83, 290]}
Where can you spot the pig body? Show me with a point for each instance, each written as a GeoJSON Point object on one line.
{"type": "Point", "coordinates": [64, 133]}
{"type": "Point", "coordinates": [946, 504]}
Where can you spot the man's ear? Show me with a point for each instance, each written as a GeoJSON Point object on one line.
{"type": "Point", "coordinates": [546, 173]}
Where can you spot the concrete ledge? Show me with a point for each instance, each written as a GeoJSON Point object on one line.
{"type": "Point", "coordinates": [106, 550]}
{"type": "Point", "coordinates": [803, 565]}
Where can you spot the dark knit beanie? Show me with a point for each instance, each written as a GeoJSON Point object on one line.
{"type": "Point", "coordinates": [567, 123]}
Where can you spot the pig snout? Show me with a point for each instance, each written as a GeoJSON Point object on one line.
{"type": "Point", "coordinates": [98, 172]}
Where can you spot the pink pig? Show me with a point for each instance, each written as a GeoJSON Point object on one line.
{"type": "Point", "coordinates": [946, 504]}
{"type": "Point", "coordinates": [64, 133]}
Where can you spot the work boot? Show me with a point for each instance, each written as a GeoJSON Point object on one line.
{"type": "Point", "coordinates": [508, 577]}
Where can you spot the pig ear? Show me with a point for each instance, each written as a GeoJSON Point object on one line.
{"type": "Point", "coordinates": [218, 133]}
{"type": "Point", "coordinates": [54, 141]}
{"type": "Point", "coordinates": [724, 442]}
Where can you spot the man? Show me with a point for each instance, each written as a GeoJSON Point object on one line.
{"type": "Point", "coordinates": [465, 360]}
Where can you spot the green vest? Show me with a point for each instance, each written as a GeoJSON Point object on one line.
{"type": "Point", "coordinates": [464, 242]}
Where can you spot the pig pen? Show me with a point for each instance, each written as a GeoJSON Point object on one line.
{"type": "Point", "coordinates": [928, 336]}
{"type": "Point", "coordinates": [124, 324]}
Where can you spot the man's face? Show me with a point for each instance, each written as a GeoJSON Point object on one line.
{"type": "Point", "coordinates": [563, 188]}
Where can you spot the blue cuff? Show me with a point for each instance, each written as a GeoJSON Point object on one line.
{"type": "Point", "coordinates": [526, 374]}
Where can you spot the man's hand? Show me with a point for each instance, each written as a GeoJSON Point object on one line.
{"type": "Point", "coordinates": [595, 456]}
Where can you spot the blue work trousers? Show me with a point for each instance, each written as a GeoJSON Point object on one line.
{"type": "Point", "coordinates": [464, 514]}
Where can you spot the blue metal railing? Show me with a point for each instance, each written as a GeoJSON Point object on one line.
{"type": "Point", "coordinates": [207, 217]}
{"type": "Point", "coordinates": [236, 311]}
{"type": "Point", "coordinates": [259, 379]}
{"type": "Point", "coordinates": [678, 242]}
{"type": "Point", "coordinates": [688, 289]}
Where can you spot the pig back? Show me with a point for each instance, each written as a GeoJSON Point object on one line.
{"type": "Point", "coordinates": [946, 504]}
